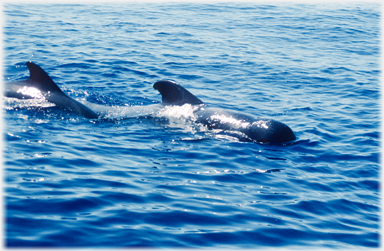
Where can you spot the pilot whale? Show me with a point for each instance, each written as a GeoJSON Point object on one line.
{"type": "Point", "coordinates": [244, 126]}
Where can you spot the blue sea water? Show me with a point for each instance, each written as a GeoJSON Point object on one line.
{"type": "Point", "coordinates": [165, 182]}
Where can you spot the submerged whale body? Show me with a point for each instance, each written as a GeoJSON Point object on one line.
{"type": "Point", "coordinates": [245, 127]}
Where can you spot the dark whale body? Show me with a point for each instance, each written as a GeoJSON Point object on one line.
{"type": "Point", "coordinates": [250, 128]}
{"type": "Point", "coordinates": [40, 85]}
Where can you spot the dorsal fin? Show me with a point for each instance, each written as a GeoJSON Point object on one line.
{"type": "Point", "coordinates": [40, 79]}
{"type": "Point", "coordinates": [175, 94]}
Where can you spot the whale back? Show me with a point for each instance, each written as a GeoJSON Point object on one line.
{"type": "Point", "coordinates": [174, 94]}
{"type": "Point", "coordinates": [38, 79]}
{"type": "Point", "coordinates": [47, 89]}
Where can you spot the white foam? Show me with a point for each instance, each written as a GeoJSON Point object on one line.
{"type": "Point", "coordinates": [121, 112]}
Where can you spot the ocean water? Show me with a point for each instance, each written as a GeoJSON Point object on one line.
{"type": "Point", "coordinates": [162, 181]}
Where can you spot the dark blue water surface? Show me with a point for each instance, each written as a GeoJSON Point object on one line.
{"type": "Point", "coordinates": [165, 182]}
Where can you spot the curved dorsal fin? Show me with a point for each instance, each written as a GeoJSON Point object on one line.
{"type": "Point", "coordinates": [40, 79]}
{"type": "Point", "coordinates": [175, 94]}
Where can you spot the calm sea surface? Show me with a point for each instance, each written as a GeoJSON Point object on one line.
{"type": "Point", "coordinates": [163, 181]}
